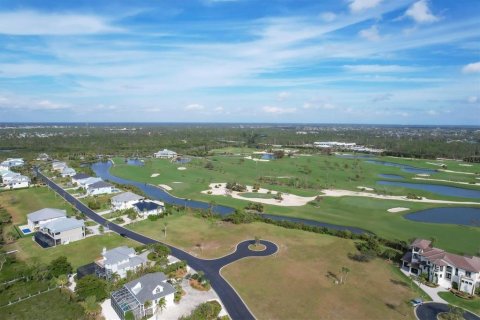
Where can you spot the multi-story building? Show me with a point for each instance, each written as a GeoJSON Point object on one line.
{"type": "Point", "coordinates": [441, 267]}
{"type": "Point", "coordinates": [119, 260]}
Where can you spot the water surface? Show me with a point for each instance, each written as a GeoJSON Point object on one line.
{"type": "Point", "coordinates": [404, 167]}
{"type": "Point", "coordinates": [455, 215]}
{"type": "Point", "coordinates": [435, 188]}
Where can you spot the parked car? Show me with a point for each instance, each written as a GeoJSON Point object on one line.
{"type": "Point", "coordinates": [416, 302]}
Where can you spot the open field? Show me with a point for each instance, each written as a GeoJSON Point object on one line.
{"type": "Point", "coordinates": [19, 203]}
{"type": "Point", "coordinates": [318, 171]}
{"type": "Point", "coordinates": [78, 252]}
{"type": "Point", "coordinates": [297, 282]}
{"type": "Point", "coordinates": [472, 305]}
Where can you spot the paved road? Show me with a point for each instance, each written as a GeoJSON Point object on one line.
{"type": "Point", "coordinates": [430, 310]}
{"type": "Point", "coordinates": [235, 306]}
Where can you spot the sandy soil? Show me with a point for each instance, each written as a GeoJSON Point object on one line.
{"type": "Point", "coordinates": [181, 168]}
{"type": "Point", "coordinates": [154, 175]}
{"type": "Point", "coordinates": [397, 209]}
{"type": "Point", "coordinates": [435, 163]}
{"type": "Point", "coordinates": [365, 188]}
{"type": "Point", "coordinates": [289, 200]}
{"type": "Point", "coordinates": [255, 159]}
{"type": "Point", "coordinates": [442, 180]}
{"type": "Point", "coordinates": [166, 187]}
{"type": "Point", "coordinates": [423, 175]}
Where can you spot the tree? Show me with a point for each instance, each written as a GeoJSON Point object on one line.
{"type": "Point", "coordinates": [129, 315]}
{"type": "Point", "coordinates": [257, 240]}
{"type": "Point", "coordinates": [345, 272]}
{"type": "Point", "coordinates": [62, 280]}
{"type": "Point", "coordinates": [165, 224]}
{"type": "Point", "coordinates": [92, 308]}
{"type": "Point", "coordinates": [60, 266]}
{"type": "Point", "coordinates": [91, 286]}
{"type": "Point", "coordinates": [162, 304]}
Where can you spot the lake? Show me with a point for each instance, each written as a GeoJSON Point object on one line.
{"type": "Point", "coordinates": [435, 188]}
{"type": "Point", "coordinates": [456, 215]}
{"type": "Point", "coordinates": [391, 176]}
{"type": "Point", "coordinates": [404, 167]}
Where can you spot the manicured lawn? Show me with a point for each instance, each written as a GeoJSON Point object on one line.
{"type": "Point", "coordinates": [297, 282]}
{"type": "Point", "coordinates": [78, 252]}
{"type": "Point", "coordinates": [53, 305]}
{"type": "Point", "coordinates": [19, 203]}
{"type": "Point", "coordinates": [471, 305]}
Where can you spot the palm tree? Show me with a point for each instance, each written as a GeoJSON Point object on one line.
{"type": "Point", "coordinates": [346, 271]}
{"type": "Point", "coordinates": [91, 307]}
{"type": "Point", "coordinates": [162, 304]}
{"type": "Point", "coordinates": [165, 224]}
{"type": "Point", "coordinates": [115, 277]}
{"type": "Point", "coordinates": [62, 280]}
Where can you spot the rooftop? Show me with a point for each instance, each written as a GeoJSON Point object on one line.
{"type": "Point", "coordinates": [144, 288]}
{"type": "Point", "coordinates": [80, 176]}
{"type": "Point", "coordinates": [99, 184]}
{"type": "Point", "coordinates": [146, 206]}
{"type": "Point", "coordinates": [126, 197]}
{"type": "Point", "coordinates": [46, 214]}
{"type": "Point", "coordinates": [63, 224]}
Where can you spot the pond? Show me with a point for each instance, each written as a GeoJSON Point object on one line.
{"type": "Point", "coordinates": [355, 156]}
{"type": "Point", "coordinates": [102, 170]}
{"type": "Point", "coordinates": [404, 167]}
{"type": "Point", "coordinates": [456, 215]}
{"type": "Point", "coordinates": [435, 188]}
{"type": "Point", "coordinates": [391, 176]}
{"type": "Point", "coordinates": [268, 156]}
{"type": "Point", "coordinates": [135, 162]}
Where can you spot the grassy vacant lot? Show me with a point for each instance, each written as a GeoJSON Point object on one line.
{"type": "Point", "coordinates": [298, 282]}
{"type": "Point", "coordinates": [19, 203]}
{"type": "Point", "coordinates": [472, 305]}
{"type": "Point", "coordinates": [53, 305]}
{"type": "Point", "coordinates": [78, 252]}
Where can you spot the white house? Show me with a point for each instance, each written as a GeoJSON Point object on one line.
{"type": "Point", "coordinates": [148, 207]}
{"type": "Point", "coordinates": [79, 176]}
{"type": "Point", "coordinates": [18, 182]}
{"type": "Point", "coordinates": [68, 172]}
{"type": "Point", "coordinates": [12, 162]}
{"type": "Point", "coordinates": [84, 183]}
{"type": "Point", "coordinates": [165, 154]}
{"type": "Point", "coordinates": [441, 267]}
{"type": "Point", "coordinates": [119, 260]}
{"type": "Point", "coordinates": [60, 231]}
{"type": "Point", "coordinates": [40, 217]}
{"type": "Point", "coordinates": [100, 187]}
{"type": "Point", "coordinates": [58, 165]}
{"type": "Point", "coordinates": [125, 200]}
{"type": "Point", "coordinates": [8, 176]}
{"type": "Point", "coordinates": [134, 295]}
{"type": "Point", "coordinates": [43, 157]}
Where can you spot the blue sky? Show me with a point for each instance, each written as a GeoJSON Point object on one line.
{"type": "Point", "coordinates": [337, 61]}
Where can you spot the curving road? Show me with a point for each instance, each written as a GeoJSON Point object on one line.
{"type": "Point", "coordinates": [430, 310]}
{"type": "Point", "coordinates": [235, 306]}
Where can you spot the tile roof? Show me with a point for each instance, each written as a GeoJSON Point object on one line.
{"type": "Point", "coordinates": [421, 243]}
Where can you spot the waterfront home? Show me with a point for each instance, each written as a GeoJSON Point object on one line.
{"type": "Point", "coordinates": [60, 231]}
{"type": "Point", "coordinates": [147, 207]}
{"type": "Point", "coordinates": [119, 260]}
{"type": "Point", "coordinates": [8, 175]}
{"type": "Point", "coordinates": [165, 154]}
{"type": "Point", "coordinates": [67, 172]}
{"type": "Point", "coordinates": [13, 162]}
{"type": "Point", "coordinates": [18, 181]}
{"type": "Point", "coordinates": [43, 157]}
{"type": "Point", "coordinates": [40, 217]}
{"type": "Point", "coordinates": [141, 296]}
{"type": "Point", "coordinates": [443, 268]}
{"type": "Point", "coordinates": [58, 165]}
{"type": "Point", "coordinates": [85, 182]}
{"type": "Point", "coordinates": [100, 187]}
{"type": "Point", "coordinates": [79, 176]}
{"type": "Point", "coordinates": [125, 200]}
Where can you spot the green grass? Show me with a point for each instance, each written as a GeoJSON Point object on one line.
{"type": "Point", "coordinates": [53, 305]}
{"type": "Point", "coordinates": [471, 305]}
{"type": "Point", "coordinates": [19, 203]}
{"type": "Point", "coordinates": [326, 171]}
{"type": "Point", "coordinates": [78, 253]}
{"type": "Point", "coordinates": [21, 289]}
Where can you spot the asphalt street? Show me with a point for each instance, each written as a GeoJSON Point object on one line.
{"type": "Point", "coordinates": [430, 310]}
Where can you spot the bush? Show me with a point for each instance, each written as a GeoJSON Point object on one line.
{"type": "Point", "coordinates": [455, 285]}
{"type": "Point", "coordinates": [234, 186]}
{"type": "Point", "coordinates": [94, 205]}
{"type": "Point", "coordinates": [254, 206]}
{"type": "Point", "coordinates": [241, 216]}
{"type": "Point", "coordinates": [91, 286]}
{"type": "Point", "coordinates": [60, 266]}
{"type": "Point", "coordinates": [153, 217]}
{"type": "Point", "coordinates": [362, 257]}
{"type": "Point", "coordinates": [206, 311]}
{"type": "Point", "coordinates": [119, 220]}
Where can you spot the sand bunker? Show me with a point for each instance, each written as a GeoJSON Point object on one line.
{"type": "Point", "coordinates": [397, 209]}
{"type": "Point", "coordinates": [166, 187]}
{"type": "Point", "coordinates": [464, 165]}
{"type": "Point", "coordinates": [423, 175]}
{"type": "Point", "coordinates": [154, 175]}
{"type": "Point", "coordinates": [255, 159]}
{"type": "Point", "coordinates": [289, 200]}
{"type": "Point", "coordinates": [365, 188]}
{"type": "Point", "coordinates": [181, 168]}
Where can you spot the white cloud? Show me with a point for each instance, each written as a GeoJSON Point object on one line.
{"type": "Point", "coordinates": [371, 33]}
{"type": "Point", "coordinates": [432, 112]}
{"type": "Point", "coordinates": [472, 68]}
{"type": "Point", "coordinates": [219, 109]}
{"type": "Point", "coordinates": [361, 5]}
{"type": "Point", "coordinates": [420, 12]}
{"type": "Point", "coordinates": [194, 106]}
{"type": "Point", "coordinates": [277, 110]}
{"type": "Point", "coordinates": [283, 95]}
{"type": "Point", "coordinates": [328, 16]}
{"type": "Point", "coordinates": [377, 68]}
{"type": "Point", "coordinates": [382, 97]}
{"type": "Point", "coordinates": [36, 23]}
{"type": "Point", "coordinates": [472, 99]}
{"type": "Point", "coordinates": [319, 105]}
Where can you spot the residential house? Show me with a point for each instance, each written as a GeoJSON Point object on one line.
{"type": "Point", "coordinates": [13, 162]}
{"type": "Point", "coordinates": [60, 231]}
{"type": "Point", "coordinates": [441, 267]}
{"type": "Point", "coordinates": [84, 183]}
{"type": "Point", "coordinates": [119, 260]}
{"type": "Point", "coordinates": [165, 154]}
{"type": "Point", "coordinates": [43, 157]}
{"type": "Point", "coordinates": [40, 217]}
{"type": "Point", "coordinates": [147, 207]}
{"type": "Point", "coordinates": [58, 165]}
{"type": "Point", "coordinates": [79, 176]}
{"type": "Point", "coordinates": [100, 187]}
{"type": "Point", "coordinates": [68, 172]}
{"type": "Point", "coordinates": [141, 296]}
{"type": "Point", "coordinates": [19, 181]}
{"type": "Point", "coordinates": [8, 175]}
{"type": "Point", "coordinates": [125, 200]}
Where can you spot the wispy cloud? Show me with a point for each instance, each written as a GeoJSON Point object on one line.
{"type": "Point", "coordinates": [421, 13]}
{"type": "Point", "coordinates": [277, 110]}
{"type": "Point", "coordinates": [376, 68]}
{"type": "Point", "coordinates": [194, 106]}
{"type": "Point", "coordinates": [472, 68]}
{"type": "Point", "coordinates": [371, 33]}
{"type": "Point", "coordinates": [361, 5]}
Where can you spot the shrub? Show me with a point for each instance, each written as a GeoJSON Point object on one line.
{"type": "Point", "coordinates": [60, 266]}
{"type": "Point", "coordinates": [153, 217]}
{"type": "Point", "coordinates": [455, 285]}
{"type": "Point", "coordinates": [94, 205]}
{"type": "Point", "coordinates": [234, 186]}
{"type": "Point", "coordinates": [119, 220]}
{"type": "Point", "coordinates": [91, 286]}
{"type": "Point", "coordinates": [206, 311]}
{"type": "Point", "coordinates": [254, 206]}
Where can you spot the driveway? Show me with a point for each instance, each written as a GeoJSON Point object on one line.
{"type": "Point", "coordinates": [430, 310]}
{"type": "Point", "coordinates": [236, 307]}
